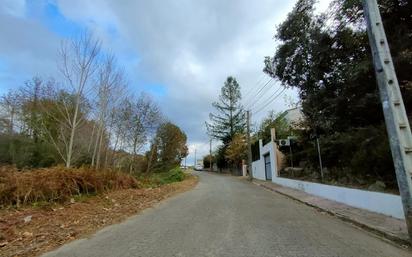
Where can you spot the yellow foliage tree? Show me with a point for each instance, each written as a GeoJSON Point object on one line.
{"type": "Point", "coordinates": [237, 150]}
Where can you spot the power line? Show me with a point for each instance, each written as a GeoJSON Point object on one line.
{"type": "Point", "coordinates": [262, 84]}
{"type": "Point", "coordinates": [261, 91]}
{"type": "Point", "coordinates": [259, 81]}
{"type": "Point", "coordinates": [266, 100]}
{"type": "Point", "coordinates": [270, 101]}
{"type": "Point", "coordinates": [251, 101]}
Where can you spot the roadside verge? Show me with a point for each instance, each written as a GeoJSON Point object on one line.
{"type": "Point", "coordinates": [32, 231]}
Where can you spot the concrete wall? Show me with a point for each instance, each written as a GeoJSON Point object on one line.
{"type": "Point", "coordinates": [386, 204]}
{"type": "Point", "coordinates": [258, 167]}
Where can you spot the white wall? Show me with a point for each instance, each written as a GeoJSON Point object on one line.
{"type": "Point", "coordinates": [258, 167]}
{"type": "Point", "coordinates": [386, 204]}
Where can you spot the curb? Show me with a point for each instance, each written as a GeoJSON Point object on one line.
{"type": "Point", "coordinates": [389, 236]}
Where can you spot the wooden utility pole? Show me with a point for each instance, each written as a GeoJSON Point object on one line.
{"type": "Point", "coordinates": [249, 147]}
{"type": "Point", "coordinates": [210, 156]}
{"type": "Point", "coordinates": [397, 124]}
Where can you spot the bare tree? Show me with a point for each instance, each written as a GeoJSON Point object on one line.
{"type": "Point", "coordinates": [110, 88]}
{"type": "Point", "coordinates": [78, 66]}
{"type": "Point", "coordinates": [31, 96]}
{"type": "Point", "coordinates": [121, 116]}
{"type": "Point", "coordinates": [9, 105]}
{"type": "Point", "coordinates": [144, 119]}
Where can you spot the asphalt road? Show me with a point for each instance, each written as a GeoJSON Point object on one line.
{"type": "Point", "coordinates": [228, 216]}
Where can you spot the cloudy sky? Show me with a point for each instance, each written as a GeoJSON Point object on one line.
{"type": "Point", "coordinates": [179, 51]}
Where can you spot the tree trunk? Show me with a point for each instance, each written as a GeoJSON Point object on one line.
{"type": "Point", "coordinates": [149, 162]}
{"type": "Point", "coordinates": [72, 133]}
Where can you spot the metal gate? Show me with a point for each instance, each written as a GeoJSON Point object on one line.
{"type": "Point", "coordinates": [268, 167]}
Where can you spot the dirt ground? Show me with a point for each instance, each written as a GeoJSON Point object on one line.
{"type": "Point", "coordinates": [35, 230]}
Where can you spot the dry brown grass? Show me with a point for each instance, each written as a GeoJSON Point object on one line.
{"type": "Point", "coordinates": [57, 184]}
{"type": "Point", "coordinates": [51, 227]}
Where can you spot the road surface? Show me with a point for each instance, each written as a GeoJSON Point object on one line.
{"type": "Point", "coordinates": [228, 216]}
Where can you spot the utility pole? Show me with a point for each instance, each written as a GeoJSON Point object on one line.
{"type": "Point", "coordinates": [397, 124]}
{"type": "Point", "coordinates": [210, 156]}
{"type": "Point", "coordinates": [195, 159]}
{"type": "Point", "coordinates": [249, 147]}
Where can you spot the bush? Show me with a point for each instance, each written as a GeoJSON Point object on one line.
{"type": "Point", "coordinates": [361, 153]}
{"type": "Point", "coordinates": [174, 175]}
{"type": "Point", "coordinates": [23, 152]}
{"type": "Point", "coordinates": [57, 184]}
{"type": "Point", "coordinates": [162, 178]}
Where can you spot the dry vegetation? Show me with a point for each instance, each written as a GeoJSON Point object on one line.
{"type": "Point", "coordinates": [30, 231]}
{"type": "Point", "coordinates": [57, 184]}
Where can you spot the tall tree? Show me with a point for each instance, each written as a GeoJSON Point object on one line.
{"type": "Point", "coordinates": [229, 118]}
{"type": "Point", "coordinates": [171, 145]}
{"type": "Point", "coordinates": [144, 117]}
{"type": "Point", "coordinates": [78, 66]}
{"type": "Point", "coordinates": [327, 58]}
{"type": "Point", "coordinates": [56, 125]}
{"type": "Point", "coordinates": [110, 87]}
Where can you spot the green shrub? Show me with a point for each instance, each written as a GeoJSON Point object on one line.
{"type": "Point", "coordinates": [174, 175]}
{"type": "Point", "coordinates": [23, 152]}
{"type": "Point", "coordinates": [162, 178]}
{"type": "Point", "coordinates": [358, 153]}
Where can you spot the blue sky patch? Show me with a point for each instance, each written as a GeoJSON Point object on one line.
{"type": "Point", "coordinates": [50, 15]}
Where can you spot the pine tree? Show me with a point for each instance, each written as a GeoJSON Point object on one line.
{"type": "Point", "coordinates": [230, 116]}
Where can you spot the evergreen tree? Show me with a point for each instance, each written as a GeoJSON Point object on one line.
{"type": "Point", "coordinates": [230, 116]}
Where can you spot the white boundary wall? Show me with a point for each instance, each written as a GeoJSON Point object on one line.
{"type": "Point", "coordinates": [386, 204]}
{"type": "Point", "coordinates": [382, 203]}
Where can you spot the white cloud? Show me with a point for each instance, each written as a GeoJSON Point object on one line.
{"type": "Point", "coordinates": [191, 47]}
{"type": "Point", "coordinates": [188, 46]}
{"type": "Point", "coordinates": [15, 8]}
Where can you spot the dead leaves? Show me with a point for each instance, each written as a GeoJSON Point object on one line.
{"type": "Point", "coordinates": [32, 231]}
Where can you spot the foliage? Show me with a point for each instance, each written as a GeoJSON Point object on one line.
{"type": "Point", "coordinates": [277, 121]}
{"type": "Point", "coordinates": [230, 116]}
{"type": "Point", "coordinates": [206, 161]}
{"type": "Point", "coordinates": [163, 177]}
{"type": "Point", "coordinates": [220, 157]}
{"type": "Point", "coordinates": [237, 150]}
{"type": "Point", "coordinates": [327, 58]}
{"type": "Point", "coordinates": [24, 152]}
{"type": "Point", "coordinates": [141, 117]}
{"type": "Point", "coordinates": [171, 144]}
{"type": "Point", "coordinates": [57, 184]}
{"type": "Point", "coordinates": [86, 118]}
